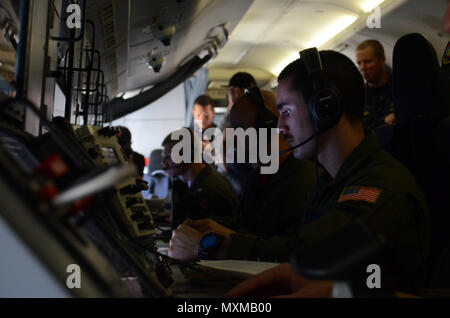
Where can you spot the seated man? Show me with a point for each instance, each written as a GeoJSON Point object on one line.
{"type": "Point", "coordinates": [206, 192]}
{"type": "Point", "coordinates": [283, 275]}
{"type": "Point", "coordinates": [272, 205]}
{"type": "Point", "coordinates": [360, 180]}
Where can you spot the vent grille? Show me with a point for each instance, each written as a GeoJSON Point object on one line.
{"type": "Point", "coordinates": [109, 36]}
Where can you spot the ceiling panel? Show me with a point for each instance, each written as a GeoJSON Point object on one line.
{"type": "Point", "coordinates": [272, 32]}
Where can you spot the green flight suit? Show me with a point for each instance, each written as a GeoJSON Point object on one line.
{"type": "Point", "coordinates": [399, 213]}
{"type": "Point", "coordinates": [274, 204]}
{"type": "Point", "coordinates": [211, 194]}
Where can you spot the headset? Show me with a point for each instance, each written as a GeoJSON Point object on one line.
{"type": "Point", "coordinates": [325, 103]}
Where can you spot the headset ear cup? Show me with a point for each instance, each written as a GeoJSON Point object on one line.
{"type": "Point", "coordinates": [326, 109]}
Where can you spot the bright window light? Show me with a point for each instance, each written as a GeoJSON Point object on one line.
{"type": "Point", "coordinates": [368, 5]}
{"type": "Point", "coordinates": [220, 110]}
{"type": "Point", "coordinates": [331, 30]}
{"type": "Point", "coordinates": [131, 94]}
{"type": "Point", "coordinates": [292, 57]}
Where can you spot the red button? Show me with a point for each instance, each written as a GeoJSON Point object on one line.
{"type": "Point", "coordinates": [48, 192]}
{"type": "Point", "coordinates": [53, 167]}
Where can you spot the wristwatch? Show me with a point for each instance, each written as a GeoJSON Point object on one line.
{"type": "Point", "coordinates": [209, 244]}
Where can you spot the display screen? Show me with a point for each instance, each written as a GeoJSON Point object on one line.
{"type": "Point", "coordinates": [110, 156]}
{"type": "Point", "coordinates": [19, 151]}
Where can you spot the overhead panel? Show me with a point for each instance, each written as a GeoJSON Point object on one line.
{"type": "Point", "coordinates": [272, 32]}
{"type": "Point", "coordinates": [195, 25]}
{"type": "Point", "coordinates": [144, 42]}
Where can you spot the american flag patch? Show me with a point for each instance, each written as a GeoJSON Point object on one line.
{"type": "Point", "coordinates": [366, 194]}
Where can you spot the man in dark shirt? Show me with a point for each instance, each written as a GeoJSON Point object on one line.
{"type": "Point", "coordinates": [203, 114]}
{"type": "Point", "coordinates": [360, 181]}
{"type": "Point", "coordinates": [379, 107]}
{"type": "Point", "coordinates": [272, 205]}
{"type": "Point", "coordinates": [206, 192]}
{"type": "Point", "coordinates": [235, 90]}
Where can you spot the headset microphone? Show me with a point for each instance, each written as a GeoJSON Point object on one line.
{"type": "Point", "coordinates": [299, 145]}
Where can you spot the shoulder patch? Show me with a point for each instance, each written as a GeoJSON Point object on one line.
{"type": "Point", "coordinates": [365, 194]}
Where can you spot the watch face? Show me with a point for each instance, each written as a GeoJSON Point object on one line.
{"type": "Point", "coordinates": [208, 241]}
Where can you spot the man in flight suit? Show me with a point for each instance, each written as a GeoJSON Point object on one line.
{"type": "Point", "coordinates": [283, 275]}
{"type": "Point", "coordinates": [360, 180]}
{"type": "Point", "coordinates": [205, 193]}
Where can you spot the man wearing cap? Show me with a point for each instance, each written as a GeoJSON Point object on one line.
{"type": "Point", "coordinates": [236, 86]}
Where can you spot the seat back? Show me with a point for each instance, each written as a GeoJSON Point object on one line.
{"type": "Point", "coordinates": [157, 178]}
{"type": "Point", "coordinates": [155, 161]}
{"type": "Point", "coordinates": [420, 137]}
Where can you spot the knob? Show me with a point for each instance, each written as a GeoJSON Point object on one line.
{"type": "Point", "coordinates": [108, 131]}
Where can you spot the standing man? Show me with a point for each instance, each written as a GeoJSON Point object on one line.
{"type": "Point", "coordinates": [203, 113]}
{"type": "Point", "coordinates": [379, 107]}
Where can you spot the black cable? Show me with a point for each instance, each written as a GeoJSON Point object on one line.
{"type": "Point", "coordinates": [56, 138]}
{"type": "Point", "coordinates": [190, 265]}
{"type": "Point", "coordinates": [316, 161]}
{"type": "Point", "coordinates": [193, 267]}
{"type": "Point", "coordinates": [160, 228]}
{"type": "Point", "coordinates": [56, 11]}
{"type": "Point", "coordinates": [315, 192]}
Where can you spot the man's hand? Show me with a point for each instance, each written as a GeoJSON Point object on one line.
{"type": "Point", "coordinates": [206, 226]}
{"type": "Point", "coordinates": [281, 282]}
{"type": "Point", "coordinates": [390, 119]}
{"type": "Point", "coordinates": [183, 245]}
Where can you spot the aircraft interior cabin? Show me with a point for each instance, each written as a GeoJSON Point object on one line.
{"type": "Point", "coordinates": [117, 178]}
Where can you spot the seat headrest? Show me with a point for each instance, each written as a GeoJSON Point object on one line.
{"type": "Point", "coordinates": [155, 161]}
{"type": "Point", "coordinates": [159, 173]}
{"type": "Point", "coordinates": [417, 92]}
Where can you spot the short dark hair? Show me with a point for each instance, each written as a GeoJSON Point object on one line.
{"type": "Point", "coordinates": [242, 80]}
{"type": "Point", "coordinates": [139, 162]}
{"type": "Point", "coordinates": [378, 49]}
{"type": "Point", "coordinates": [169, 142]}
{"type": "Point", "coordinates": [340, 73]}
{"type": "Point", "coordinates": [124, 136]}
{"type": "Point", "coordinates": [204, 100]}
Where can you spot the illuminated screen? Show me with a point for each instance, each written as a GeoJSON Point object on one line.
{"type": "Point", "coordinates": [19, 151]}
{"type": "Point", "coordinates": [110, 156]}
